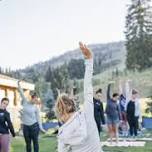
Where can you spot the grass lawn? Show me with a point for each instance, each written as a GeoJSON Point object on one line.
{"type": "Point", "coordinates": [48, 144]}
{"type": "Point", "coordinates": [147, 148]}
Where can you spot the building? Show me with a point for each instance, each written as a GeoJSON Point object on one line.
{"type": "Point", "coordinates": [8, 88]}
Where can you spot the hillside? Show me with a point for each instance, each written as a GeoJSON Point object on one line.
{"type": "Point", "coordinates": [110, 53]}
{"type": "Point", "coordinates": [140, 81]}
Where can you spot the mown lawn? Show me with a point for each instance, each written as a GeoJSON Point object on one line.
{"type": "Point", "coordinates": [147, 148]}
{"type": "Point", "coordinates": [49, 144]}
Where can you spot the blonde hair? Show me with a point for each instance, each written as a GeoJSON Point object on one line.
{"type": "Point", "coordinates": [64, 105]}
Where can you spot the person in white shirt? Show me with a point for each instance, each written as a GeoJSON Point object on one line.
{"type": "Point", "coordinates": [79, 131]}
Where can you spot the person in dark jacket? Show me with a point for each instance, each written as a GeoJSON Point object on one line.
{"type": "Point", "coordinates": [98, 110]}
{"type": "Point", "coordinates": [5, 126]}
{"type": "Point", "coordinates": [133, 113]}
{"type": "Point", "coordinates": [113, 114]}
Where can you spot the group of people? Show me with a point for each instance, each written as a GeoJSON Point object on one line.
{"type": "Point", "coordinates": [31, 122]}
{"type": "Point", "coordinates": [122, 110]}
{"type": "Point", "coordinates": [79, 130]}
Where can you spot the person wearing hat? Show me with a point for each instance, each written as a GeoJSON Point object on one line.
{"type": "Point", "coordinates": [133, 113]}
{"type": "Point", "coordinates": [30, 117]}
{"type": "Point", "coordinates": [98, 110]}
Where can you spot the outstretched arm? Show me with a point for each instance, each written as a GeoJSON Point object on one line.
{"type": "Point", "coordinates": [21, 92]}
{"type": "Point", "coordinates": [120, 87]}
{"type": "Point", "coordinates": [9, 123]}
{"type": "Point", "coordinates": [39, 120]}
{"type": "Point", "coordinates": [88, 89]}
{"type": "Point", "coordinates": [128, 93]}
{"type": "Point", "coordinates": [102, 114]}
{"type": "Point", "coordinates": [108, 92]}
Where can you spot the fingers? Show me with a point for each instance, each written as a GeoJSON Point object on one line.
{"type": "Point", "coordinates": [85, 47]}
{"type": "Point", "coordinates": [81, 46]}
{"type": "Point", "coordinates": [80, 43]}
{"type": "Point", "coordinates": [85, 50]}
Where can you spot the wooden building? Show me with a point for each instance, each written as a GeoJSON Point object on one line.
{"type": "Point", "coordinates": [8, 88]}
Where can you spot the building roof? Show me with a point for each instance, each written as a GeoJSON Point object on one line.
{"type": "Point", "coordinates": [11, 82]}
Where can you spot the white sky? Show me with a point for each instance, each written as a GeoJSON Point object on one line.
{"type": "Point", "coordinates": [36, 30]}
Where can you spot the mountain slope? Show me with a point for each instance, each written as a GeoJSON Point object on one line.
{"type": "Point", "coordinates": [106, 53]}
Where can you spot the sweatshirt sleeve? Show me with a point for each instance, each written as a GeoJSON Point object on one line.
{"type": "Point", "coordinates": [102, 113]}
{"type": "Point", "coordinates": [22, 93]}
{"type": "Point", "coordinates": [9, 123]}
{"type": "Point", "coordinates": [108, 92]}
{"type": "Point", "coordinates": [39, 119]}
{"type": "Point", "coordinates": [88, 89]}
{"type": "Point", "coordinates": [140, 114]}
{"type": "Point", "coordinates": [128, 94]}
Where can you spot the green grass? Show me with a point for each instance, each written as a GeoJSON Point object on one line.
{"type": "Point", "coordinates": [146, 148]}
{"type": "Point", "coordinates": [142, 81]}
{"type": "Point", "coordinates": [49, 144]}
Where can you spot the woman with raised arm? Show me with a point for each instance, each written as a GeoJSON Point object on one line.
{"type": "Point", "coordinates": [79, 131]}
{"type": "Point", "coordinates": [113, 114]}
{"type": "Point", "coordinates": [30, 117]}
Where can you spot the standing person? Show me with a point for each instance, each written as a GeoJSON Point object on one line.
{"type": "Point", "coordinates": [133, 113]}
{"type": "Point", "coordinates": [79, 131]}
{"type": "Point", "coordinates": [98, 110]}
{"type": "Point", "coordinates": [5, 126]}
{"type": "Point", "coordinates": [122, 103]}
{"type": "Point", "coordinates": [31, 121]}
{"type": "Point", "coordinates": [113, 114]}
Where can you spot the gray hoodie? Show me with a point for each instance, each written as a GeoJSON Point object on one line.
{"type": "Point", "coordinates": [30, 113]}
{"type": "Point", "coordinates": [79, 133]}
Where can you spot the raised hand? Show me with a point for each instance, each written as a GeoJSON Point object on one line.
{"type": "Point", "coordinates": [19, 81]}
{"type": "Point", "coordinates": [111, 82]}
{"type": "Point", "coordinates": [85, 51]}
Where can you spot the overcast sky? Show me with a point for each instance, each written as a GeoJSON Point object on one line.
{"type": "Point", "coordinates": [37, 30]}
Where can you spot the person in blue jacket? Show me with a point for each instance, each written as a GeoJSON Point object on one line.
{"type": "Point", "coordinates": [113, 114]}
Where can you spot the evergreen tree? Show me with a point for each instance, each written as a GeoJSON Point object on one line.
{"type": "Point", "coordinates": [76, 68]}
{"type": "Point", "coordinates": [49, 74]}
{"type": "Point", "coordinates": [59, 79]}
{"type": "Point", "coordinates": [139, 35]}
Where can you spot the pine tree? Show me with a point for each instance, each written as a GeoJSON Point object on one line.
{"type": "Point", "coordinates": [139, 35]}
{"type": "Point", "coordinates": [59, 79]}
{"type": "Point", "coordinates": [49, 74]}
{"type": "Point", "coordinates": [76, 68]}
